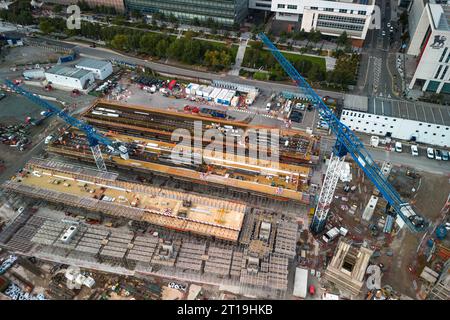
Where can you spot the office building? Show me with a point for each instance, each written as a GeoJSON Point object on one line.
{"type": "Point", "coordinates": [429, 29]}
{"type": "Point", "coordinates": [116, 4]}
{"type": "Point", "coordinates": [225, 12]}
{"type": "Point", "coordinates": [330, 17]}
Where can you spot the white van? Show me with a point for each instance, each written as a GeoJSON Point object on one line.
{"type": "Point", "coordinates": [398, 147]}
{"type": "Point", "coordinates": [414, 150]}
{"type": "Point", "coordinates": [430, 153]}
{"type": "Point", "coordinates": [331, 235]}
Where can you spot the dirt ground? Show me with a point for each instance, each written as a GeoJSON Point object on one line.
{"type": "Point", "coordinates": [28, 54]}
{"type": "Point", "coordinates": [429, 200]}
{"type": "Point", "coordinates": [428, 192]}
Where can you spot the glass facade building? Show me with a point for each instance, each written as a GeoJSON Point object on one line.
{"type": "Point", "coordinates": [226, 12]}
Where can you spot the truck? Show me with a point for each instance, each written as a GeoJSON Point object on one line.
{"type": "Point", "coordinates": [68, 58]}
{"type": "Point", "coordinates": [301, 283]}
{"type": "Point", "coordinates": [331, 235]}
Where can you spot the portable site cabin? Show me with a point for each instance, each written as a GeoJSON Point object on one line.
{"type": "Point", "coordinates": [221, 96]}
{"type": "Point", "coordinates": [235, 101]}
{"type": "Point", "coordinates": [199, 91]}
{"type": "Point", "coordinates": [215, 93]}
{"type": "Point", "coordinates": [207, 92]}
{"type": "Point", "coordinates": [227, 99]}
{"type": "Point", "coordinates": [251, 96]}
{"type": "Point", "coordinates": [191, 88]}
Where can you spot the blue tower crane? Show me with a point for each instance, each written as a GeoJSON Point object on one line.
{"type": "Point", "coordinates": [94, 138]}
{"type": "Point", "coordinates": [347, 143]}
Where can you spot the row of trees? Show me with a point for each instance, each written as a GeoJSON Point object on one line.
{"type": "Point", "coordinates": [186, 49]}
{"type": "Point", "coordinates": [256, 57]}
{"type": "Point", "coordinates": [19, 12]}
{"type": "Point", "coordinates": [343, 75]}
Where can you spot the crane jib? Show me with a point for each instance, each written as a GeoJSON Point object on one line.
{"type": "Point", "coordinates": [351, 144]}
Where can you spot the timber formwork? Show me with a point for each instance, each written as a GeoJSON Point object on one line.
{"type": "Point", "coordinates": [206, 216]}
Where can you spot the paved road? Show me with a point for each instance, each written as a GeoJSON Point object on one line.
{"type": "Point", "coordinates": [376, 77]}
{"type": "Point", "coordinates": [405, 158]}
{"type": "Point", "coordinates": [102, 53]}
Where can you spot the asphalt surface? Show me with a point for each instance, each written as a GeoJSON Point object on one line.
{"type": "Point", "coordinates": [376, 77]}
{"type": "Point", "coordinates": [405, 158]}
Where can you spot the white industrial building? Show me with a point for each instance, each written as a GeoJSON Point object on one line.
{"type": "Point", "coordinates": [101, 69]}
{"type": "Point", "coordinates": [429, 28]}
{"type": "Point", "coordinates": [330, 17]}
{"type": "Point", "coordinates": [69, 77]}
{"type": "Point", "coordinates": [398, 128]}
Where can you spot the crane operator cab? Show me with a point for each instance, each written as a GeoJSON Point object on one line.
{"type": "Point", "coordinates": [119, 149]}
{"type": "Point", "coordinates": [124, 152]}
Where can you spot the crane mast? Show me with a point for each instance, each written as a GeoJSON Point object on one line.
{"type": "Point", "coordinates": [94, 138]}
{"type": "Point", "coordinates": [347, 143]}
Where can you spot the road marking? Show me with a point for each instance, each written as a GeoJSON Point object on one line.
{"type": "Point", "coordinates": [367, 71]}
{"type": "Point", "coordinates": [415, 109]}
{"type": "Point", "coordinates": [424, 115]}
{"type": "Point", "coordinates": [434, 118]}
{"type": "Point", "coordinates": [442, 116]}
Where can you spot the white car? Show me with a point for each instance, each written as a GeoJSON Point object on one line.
{"type": "Point", "coordinates": [388, 24]}
{"type": "Point", "coordinates": [383, 33]}
{"type": "Point", "coordinates": [398, 147]}
{"type": "Point", "coordinates": [48, 139]}
{"type": "Point", "coordinates": [268, 106]}
{"type": "Point", "coordinates": [414, 150]}
{"type": "Point", "coordinates": [20, 210]}
{"type": "Point", "coordinates": [177, 286]}
{"type": "Point", "coordinates": [430, 153]}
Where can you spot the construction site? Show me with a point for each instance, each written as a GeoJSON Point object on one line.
{"type": "Point", "coordinates": [187, 237]}
{"type": "Point", "coordinates": [234, 165]}
{"type": "Point", "coordinates": [187, 200]}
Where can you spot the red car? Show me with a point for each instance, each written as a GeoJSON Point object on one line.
{"type": "Point", "coordinates": [312, 290]}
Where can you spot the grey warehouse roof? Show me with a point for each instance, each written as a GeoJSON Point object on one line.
{"type": "Point", "coordinates": [68, 71]}
{"type": "Point", "coordinates": [92, 63]}
{"type": "Point", "coordinates": [418, 111]}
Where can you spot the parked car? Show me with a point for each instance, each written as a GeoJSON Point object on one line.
{"type": "Point", "coordinates": [414, 150]}
{"type": "Point", "coordinates": [398, 147]}
{"type": "Point", "coordinates": [445, 155]}
{"type": "Point", "coordinates": [438, 154]}
{"type": "Point", "coordinates": [177, 286]}
{"type": "Point", "coordinates": [430, 153]}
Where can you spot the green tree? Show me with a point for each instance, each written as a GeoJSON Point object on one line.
{"type": "Point", "coordinates": [216, 60]}
{"type": "Point", "coordinates": [119, 42]}
{"type": "Point", "coordinates": [136, 14]}
{"type": "Point", "coordinates": [46, 26]}
{"type": "Point", "coordinates": [315, 36]}
{"type": "Point", "coordinates": [57, 8]}
{"type": "Point", "coordinates": [343, 40]}
{"type": "Point", "coordinates": [176, 49]}
{"type": "Point", "coordinates": [161, 48]}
